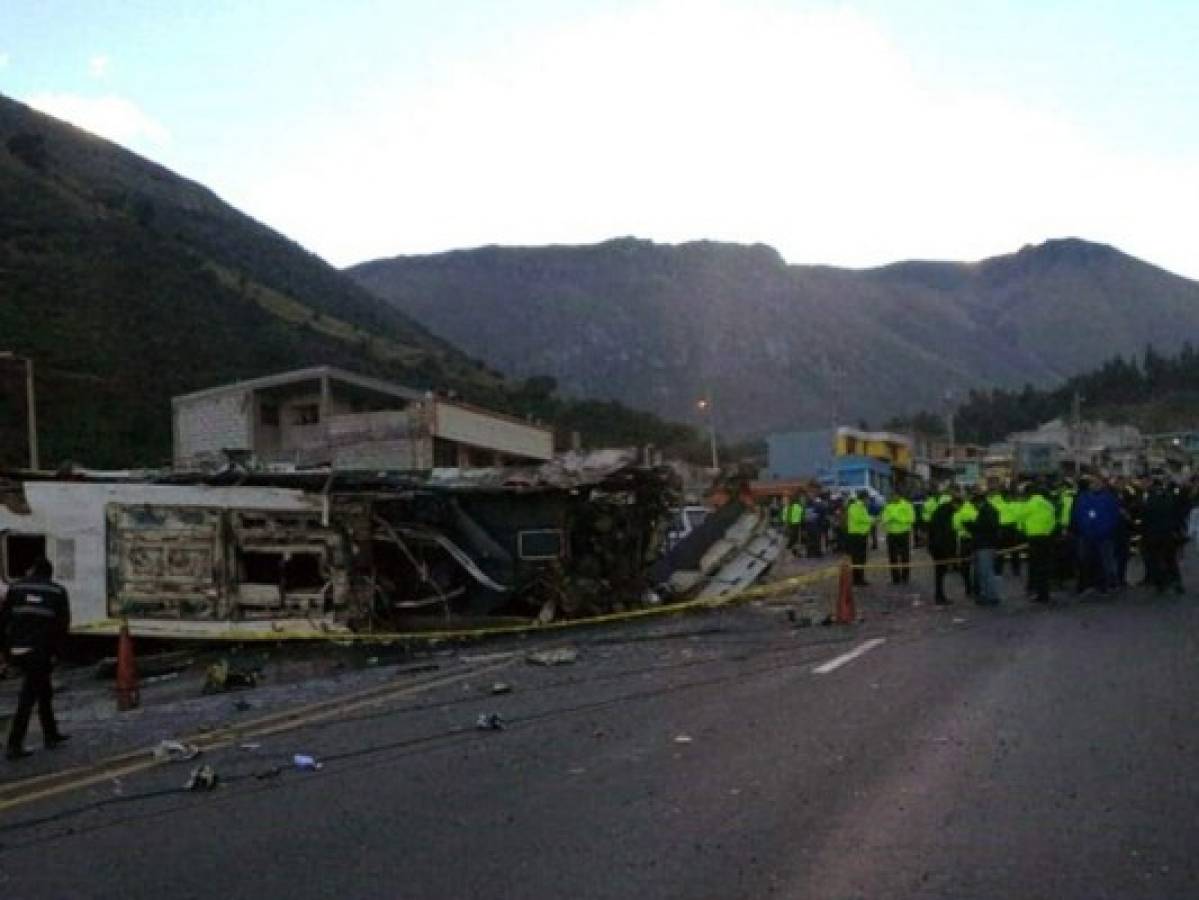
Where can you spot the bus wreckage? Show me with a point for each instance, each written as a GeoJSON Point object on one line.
{"type": "Point", "coordinates": [246, 555]}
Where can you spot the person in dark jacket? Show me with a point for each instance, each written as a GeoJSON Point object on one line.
{"type": "Point", "coordinates": [1161, 537]}
{"type": "Point", "coordinates": [1130, 514]}
{"type": "Point", "coordinates": [943, 543]}
{"type": "Point", "coordinates": [35, 618]}
{"type": "Point", "coordinates": [986, 537]}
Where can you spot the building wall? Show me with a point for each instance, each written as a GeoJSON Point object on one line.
{"type": "Point", "coordinates": [799, 454]}
{"type": "Point", "coordinates": [402, 454]}
{"type": "Point", "coordinates": [207, 426]}
{"type": "Point", "coordinates": [478, 428]}
{"type": "Point", "coordinates": [863, 471]}
{"type": "Point", "coordinates": [318, 439]}
{"type": "Point", "coordinates": [894, 449]}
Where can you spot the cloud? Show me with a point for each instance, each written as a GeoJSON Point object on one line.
{"type": "Point", "coordinates": [112, 117]}
{"type": "Point", "coordinates": [97, 66]}
{"type": "Point", "coordinates": [4, 60]}
{"type": "Point", "coordinates": [808, 130]}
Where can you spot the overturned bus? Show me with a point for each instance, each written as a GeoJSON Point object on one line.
{"type": "Point", "coordinates": [271, 555]}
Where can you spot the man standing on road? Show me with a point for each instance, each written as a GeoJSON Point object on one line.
{"type": "Point", "coordinates": [858, 523]}
{"type": "Point", "coordinates": [985, 538]}
{"type": "Point", "coordinates": [793, 515]}
{"type": "Point", "coordinates": [1162, 533]}
{"type": "Point", "coordinates": [966, 513]}
{"type": "Point", "coordinates": [34, 621]}
{"type": "Point", "coordinates": [942, 544]}
{"type": "Point", "coordinates": [1094, 520]}
{"type": "Point", "coordinates": [898, 518]}
{"type": "Point", "coordinates": [1039, 518]}
{"type": "Point", "coordinates": [814, 527]}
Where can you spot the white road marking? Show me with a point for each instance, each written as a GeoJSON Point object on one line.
{"type": "Point", "coordinates": [839, 661]}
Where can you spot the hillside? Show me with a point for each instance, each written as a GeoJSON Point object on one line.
{"type": "Point", "coordinates": [128, 284]}
{"type": "Point", "coordinates": [1155, 393]}
{"type": "Point", "coordinates": [785, 346]}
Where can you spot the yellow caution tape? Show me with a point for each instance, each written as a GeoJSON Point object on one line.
{"type": "Point", "coordinates": [775, 588]}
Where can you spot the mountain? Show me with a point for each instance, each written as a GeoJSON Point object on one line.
{"type": "Point", "coordinates": [128, 284]}
{"type": "Point", "coordinates": [783, 346]}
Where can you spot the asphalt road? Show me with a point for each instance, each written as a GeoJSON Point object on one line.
{"type": "Point", "coordinates": [1010, 753]}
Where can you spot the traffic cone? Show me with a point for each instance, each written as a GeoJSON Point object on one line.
{"type": "Point", "coordinates": [846, 611]}
{"type": "Point", "coordinates": [128, 696]}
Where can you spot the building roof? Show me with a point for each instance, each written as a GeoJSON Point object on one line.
{"type": "Point", "coordinates": [298, 376]}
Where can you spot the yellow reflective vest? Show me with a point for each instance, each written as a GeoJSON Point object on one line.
{"type": "Point", "coordinates": [898, 516]}
{"type": "Point", "coordinates": [857, 518]}
{"type": "Point", "coordinates": [1067, 508]}
{"type": "Point", "coordinates": [1039, 517]}
{"type": "Point", "coordinates": [967, 512]}
{"type": "Point", "coordinates": [1003, 508]}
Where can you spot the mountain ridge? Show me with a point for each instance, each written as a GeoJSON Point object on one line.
{"type": "Point", "coordinates": [657, 325]}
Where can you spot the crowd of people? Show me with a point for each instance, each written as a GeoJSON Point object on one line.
{"type": "Point", "coordinates": [1080, 533]}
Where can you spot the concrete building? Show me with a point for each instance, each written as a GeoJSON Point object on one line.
{"type": "Point", "coordinates": [1115, 449]}
{"type": "Point", "coordinates": [327, 416]}
{"type": "Point", "coordinates": [844, 457]}
{"type": "Point", "coordinates": [795, 455]}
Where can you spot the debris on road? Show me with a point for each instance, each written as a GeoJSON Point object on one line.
{"type": "Point", "coordinates": [175, 751]}
{"type": "Point", "coordinates": [222, 676]}
{"type": "Point", "coordinates": [250, 747]}
{"type": "Point", "coordinates": [169, 676]}
{"type": "Point", "coordinates": [306, 763]}
{"type": "Point", "coordinates": [490, 722]}
{"type": "Point", "coordinates": [150, 666]}
{"type": "Point", "coordinates": [483, 658]}
{"type": "Point", "coordinates": [501, 687]}
{"type": "Point", "coordinates": [203, 778]}
{"type": "Point", "coordinates": [682, 739]}
{"type": "Point", "coordinates": [797, 620]}
{"type": "Point", "coordinates": [562, 656]}
{"type": "Point", "coordinates": [243, 706]}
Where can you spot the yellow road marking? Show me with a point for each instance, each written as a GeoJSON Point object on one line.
{"type": "Point", "coordinates": [18, 794]}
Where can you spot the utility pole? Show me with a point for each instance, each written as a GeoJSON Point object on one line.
{"type": "Point", "coordinates": [1076, 436]}
{"type": "Point", "coordinates": [705, 406]}
{"type": "Point", "coordinates": [949, 421]}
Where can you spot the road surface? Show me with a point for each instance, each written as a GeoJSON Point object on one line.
{"type": "Point", "coordinates": [961, 753]}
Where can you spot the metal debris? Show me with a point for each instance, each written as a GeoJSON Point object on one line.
{"type": "Point", "coordinates": [561, 656]}
{"type": "Point", "coordinates": [175, 751]}
{"type": "Point", "coordinates": [203, 778]}
{"type": "Point", "coordinates": [222, 676]}
{"type": "Point", "coordinates": [490, 722]}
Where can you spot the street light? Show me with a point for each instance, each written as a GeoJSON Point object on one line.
{"type": "Point", "coordinates": [704, 405]}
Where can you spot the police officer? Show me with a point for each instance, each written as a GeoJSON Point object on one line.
{"type": "Point", "coordinates": [1039, 521]}
{"type": "Point", "coordinates": [898, 518]}
{"type": "Point", "coordinates": [858, 523]}
{"type": "Point", "coordinates": [34, 620]}
{"type": "Point", "coordinates": [793, 517]}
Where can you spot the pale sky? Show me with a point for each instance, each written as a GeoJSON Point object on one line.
{"type": "Point", "coordinates": [853, 133]}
